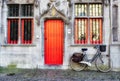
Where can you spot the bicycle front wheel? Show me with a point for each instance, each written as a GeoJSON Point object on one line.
{"type": "Point", "coordinates": [103, 63]}
{"type": "Point", "coordinates": [77, 66]}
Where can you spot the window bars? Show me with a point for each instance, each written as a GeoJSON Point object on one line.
{"type": "Point", "coordinates": [27, 31]}
{"type": "Point", "coordinates": [88, 23]}
{"type": "Point", "coordinates": [27, 10]}
{"type": "Point", "coordinates": [20, 23]}
{"type": "Point", "coordinates": [13, 31]}
{"type": "Point", "coordinates": [81, 31]}
{"type": "Point", "coordinates": [13, 10]}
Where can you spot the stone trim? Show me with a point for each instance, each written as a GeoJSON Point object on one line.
{"type": "Point", "coordinates": [53, 13]}
{"type": "Point", "coordinates": [20, 1]}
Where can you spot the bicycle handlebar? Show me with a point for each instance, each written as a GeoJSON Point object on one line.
{"type": "Point", "coordinates": [97, 46]}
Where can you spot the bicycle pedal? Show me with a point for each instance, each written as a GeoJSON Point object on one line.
{"type": "Point", "coordinates": [87, 63]}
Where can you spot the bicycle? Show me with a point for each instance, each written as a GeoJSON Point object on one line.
{"type": "Point", "coordinates": [102, 62]}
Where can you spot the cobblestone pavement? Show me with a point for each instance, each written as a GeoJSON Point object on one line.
{"type": "Point", "coordinates": [60, 75]}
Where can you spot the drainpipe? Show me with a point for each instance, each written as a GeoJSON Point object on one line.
{"type": "Point", "coordinates": [4, 20]}
{"type": "Point", "coordinates": [0, 28]}
{"type": "Point", "coordinates": [0, 15]}
{"type": "Point", "coordinates": [118, 22]}
{"type": "Point", "coordinates": [110, 34]}
{"type": "Point", "coordinates": [109, 4]}
{"type": "Point", "coordinates": [73, 12]}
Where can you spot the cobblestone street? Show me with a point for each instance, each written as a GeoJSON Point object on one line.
{"type": "Point", "coordinates": [60, 75]}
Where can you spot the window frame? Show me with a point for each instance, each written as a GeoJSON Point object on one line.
{"type": "Point", "coordinates": [115, 39]}
{"type": "Point", "coordinates": [20, 18]}
{"type": "Point", "coordinates": [88, 17]}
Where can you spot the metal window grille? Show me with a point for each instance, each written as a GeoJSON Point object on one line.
{"type": "Point", "coordinates": [88, 23]}
{"type": "Point", "coordinates": [13, 31]}
{"type": "Point", "coordinates": [95, 31]}
{"type": "Point", "coordinates": [81, 10]}
{"type": "Point", "coordinates": [27, 10]}
{"type": "Point", "coordinates": [95, 10]}
{"type": "Point", "coordinates": [27, 31]}
{"type": "Point", "coordinates": [13, 10]}
{"type": "Point", "coordinates": [81, 31]}
{"type": "Point", "coordinates": [20, 23]}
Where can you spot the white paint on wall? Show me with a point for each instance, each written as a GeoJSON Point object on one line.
{"type": "Point", "coordinates": [4, 20]}
{"type": "Point", "coordinates": [33, 56]}
{"type": "Point", "coordinates": [115, 57]}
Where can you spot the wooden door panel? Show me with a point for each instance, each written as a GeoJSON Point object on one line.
{"type": "Point", "coordinates": [53, 44]}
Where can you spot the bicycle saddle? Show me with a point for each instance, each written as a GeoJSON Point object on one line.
{"type": "Point", "coordinates": [84, 49]}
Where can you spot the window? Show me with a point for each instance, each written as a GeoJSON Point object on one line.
{"type": "Point", "coordinates": [20, 23]}
{"type": "Point", "coordinates": [115, 23]}
{"type": "Point", "coordinates": [88, 23]}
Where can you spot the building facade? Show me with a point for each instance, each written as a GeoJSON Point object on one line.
{"type": "Point", "coordinates": [45, 33]}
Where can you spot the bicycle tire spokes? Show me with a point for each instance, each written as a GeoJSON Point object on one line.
{"type": "Point", "coordinates": [103, 64]}
{"type": "Point", "coordinates": [77, 66]}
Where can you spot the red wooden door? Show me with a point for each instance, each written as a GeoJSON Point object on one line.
{"type": "Point", "coordinates": [53, 44]}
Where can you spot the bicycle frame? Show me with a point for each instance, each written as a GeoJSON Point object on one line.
{"type": "Point", "coordinates": [100, 63]}
{"type": "Point", "coordinates": [96, 55]}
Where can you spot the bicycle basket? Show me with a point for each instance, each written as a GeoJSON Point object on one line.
{"type": "Point", "coordinates": [102, 48]}
{"type": "Point", "coordinates": [77, 57]}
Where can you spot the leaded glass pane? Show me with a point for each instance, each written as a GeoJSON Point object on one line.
{"type": "Point", "coordinates": [80, 9]}
{"type": "Point", "coordinates": [26, 31]}
{"type": "Point", "coordinates": [13, 10]}
{"type": "Point", "coordinates": [95, 10]}
{"type": "Point", "coordinates": [88, 23]}
{"type": "Point", "coordinates": [81, 31]}
{"type": "Point", "coordinates": [96, 31]}
{"type": "Point", "coordinates": [13, 31]}
{"type": "Point", "coordinates": [27, 10]}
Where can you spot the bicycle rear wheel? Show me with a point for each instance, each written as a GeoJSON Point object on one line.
{"type": "Point", "coordinates": [77, 66]}
{"type": "Point", "coordinates": [103, 63]}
